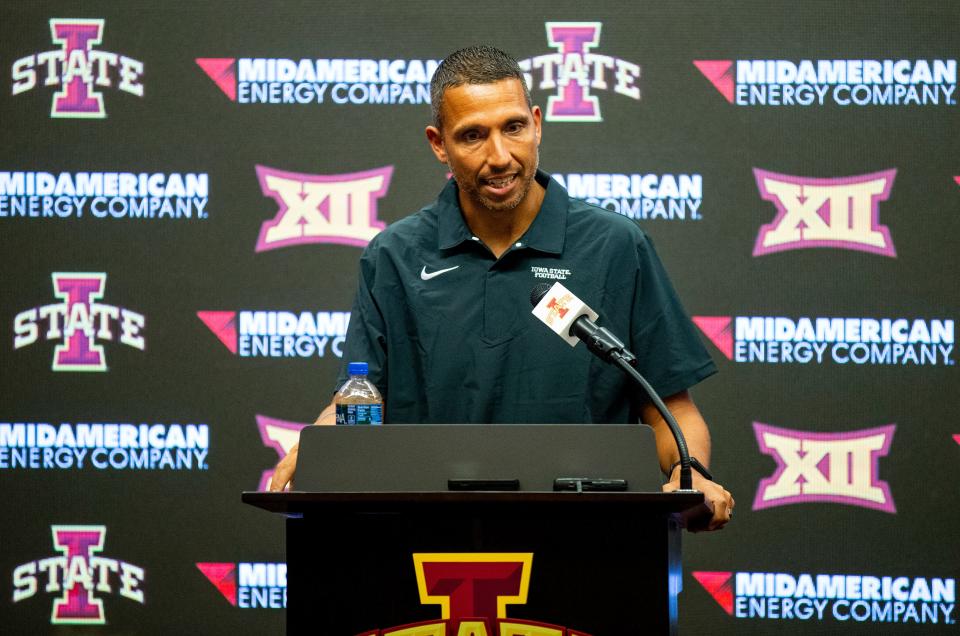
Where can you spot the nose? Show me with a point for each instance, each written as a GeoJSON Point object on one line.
{"type": "Point", "coordinates": [498, 156]}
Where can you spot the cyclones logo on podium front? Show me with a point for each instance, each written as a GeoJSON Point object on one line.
{"type": "Point", "coordinates": [473, 591]}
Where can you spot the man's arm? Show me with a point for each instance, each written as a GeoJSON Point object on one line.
{"type": "Point", "coordinates": [286, 467]}
{"type": "Point", "coordinates": [694, 428]}
{"type": "Point", "coordinates": [364, 343]}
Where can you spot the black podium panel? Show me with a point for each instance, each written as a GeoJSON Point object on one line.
{"type": "Point", "coordinates": [602, 564]}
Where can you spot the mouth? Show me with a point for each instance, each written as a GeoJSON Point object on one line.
{"type": "Point", "coordinates": [499, 185]}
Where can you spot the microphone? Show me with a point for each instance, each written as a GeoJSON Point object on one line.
{"type": "Point", "coordinates": [571, 319]}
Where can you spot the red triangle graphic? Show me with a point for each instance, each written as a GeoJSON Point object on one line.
{"type": "Point", "coordinates": [718, 329]}
{"type": "Point", "coordinates": [956, 438]}
{"type": "Point", "coordinates": [720, 74]}
{"type": "Point", "coordinates": [223, 325]}
{"type": "Point", "coordinates": [957, 179]}
{"type": "Point", "coordinates": [224, 578]}
{"type": "Point", "coordinates": [223, 72]}
{"type": "Point", "coordinates": [719, 585]}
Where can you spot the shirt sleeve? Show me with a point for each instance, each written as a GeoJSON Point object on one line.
{"type": "Point", "coordinates": [366, 334]}
{"type": "Point", "coordinates": [670, 354]}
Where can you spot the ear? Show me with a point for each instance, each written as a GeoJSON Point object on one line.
{"type": "Point", "coordinates": [537, 120]}
{"type": "Point", "coordinates": [435, 137]}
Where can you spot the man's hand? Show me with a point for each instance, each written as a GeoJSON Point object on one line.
{"type": "Point", "coordinates": [718, 503]}
{"type": "Point", "coordinates": [283, 473]}
{"type": "Point", "coordinates": [716, 499]}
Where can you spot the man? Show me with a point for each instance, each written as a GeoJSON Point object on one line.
{"type": "Point", "coordinates": [442, 314]}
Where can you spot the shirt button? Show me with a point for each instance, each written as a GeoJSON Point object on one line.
{"type": "Point", "coordinates": [474, 238]}
{"type": "Point", "coordinates": [519, 244]}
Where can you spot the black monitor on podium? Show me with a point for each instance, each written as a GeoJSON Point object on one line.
{"type": "Point", "coordinates": [437, 457]}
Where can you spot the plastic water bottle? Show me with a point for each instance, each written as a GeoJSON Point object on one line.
{"type": "Point", "coordinates": [358, 401]}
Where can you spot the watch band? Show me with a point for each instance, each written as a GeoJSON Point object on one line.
{"type": "Point", "coordinates": [694, 464]}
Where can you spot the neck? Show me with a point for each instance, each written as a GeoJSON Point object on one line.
{"type": "Point", "coordinates": [499, 229]}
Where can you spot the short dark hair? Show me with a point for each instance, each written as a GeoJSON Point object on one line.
{"type": "Point", "coordinates": [479, 64]}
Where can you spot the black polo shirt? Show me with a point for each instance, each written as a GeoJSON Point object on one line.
{"type": "Point", "coordinates": [447, 330]}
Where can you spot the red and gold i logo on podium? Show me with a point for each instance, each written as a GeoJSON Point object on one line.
{"type": "Point", "coordinates": [473, 591]}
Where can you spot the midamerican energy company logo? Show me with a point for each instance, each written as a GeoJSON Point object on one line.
{"type": "Point", "coordinates": [77, 69]}
{"type": "Point", "coordinates": [825, 467]}
{"type": "Point", "coordinates": [321, 81]}
{"type": "Point", "coordinates": [102, 446]}
{"type": "Point", "coordinates": [279, 334]}
{"type": "Point", "coordinates": [818, 340]}
{"type": "Point", "coordinates": [79, 575]}
{"type": "Point", "coordinates": [249, 585]}
{"type": "Point", "coordinates": [575, 70]}
{"type": "Point", "coordinates": [674, 197]}
{"type": "Point", "coordinates": [839, 82]}
{"type": "Point", "coordinates": [315, 208]}
{"type": "Point", "coordinates": [279, 435]}
{"type": "Point", "coordinates": [473, 591]}
{"type": "Point", "coordinates": [841, 213]}
{"type": "Point", "coordinates": [857, 598]}
{"type": "Point", "coordinates": [79, 321]}
{"type": "Point", "coordinates": [104, 195]}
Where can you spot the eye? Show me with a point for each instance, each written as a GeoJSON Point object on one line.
{"type": "Point", "coordinates": [470, 136]}
{"type": "Point", "coordinates": [515, 127]}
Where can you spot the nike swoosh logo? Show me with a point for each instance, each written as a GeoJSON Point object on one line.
{"type": "Point", "coordinates": [425, 276]}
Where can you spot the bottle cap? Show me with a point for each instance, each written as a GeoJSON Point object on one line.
{"type": "Point", "coordinates": [358, 368]}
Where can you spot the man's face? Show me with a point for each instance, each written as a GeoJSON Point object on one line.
{"type": "Point", "coordinates": [490, 141]}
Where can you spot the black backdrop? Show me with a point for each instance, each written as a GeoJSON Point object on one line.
{"type": "Point", "coordinates": [172, 271]}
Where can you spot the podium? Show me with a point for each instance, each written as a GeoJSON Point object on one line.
{"type": "Point", "coordinates": [419, 562]}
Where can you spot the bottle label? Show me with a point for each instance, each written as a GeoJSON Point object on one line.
{"type": "Point", "coordinates": [350, 414]}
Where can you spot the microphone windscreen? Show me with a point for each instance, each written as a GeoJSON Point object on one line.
{"type": "Point", "coordinates": [538, 292]}
{"type": "Point", "coordinates": [557, 308]}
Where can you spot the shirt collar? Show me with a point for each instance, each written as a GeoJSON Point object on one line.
{"type": "Point", "coordinates": [545, 234]}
